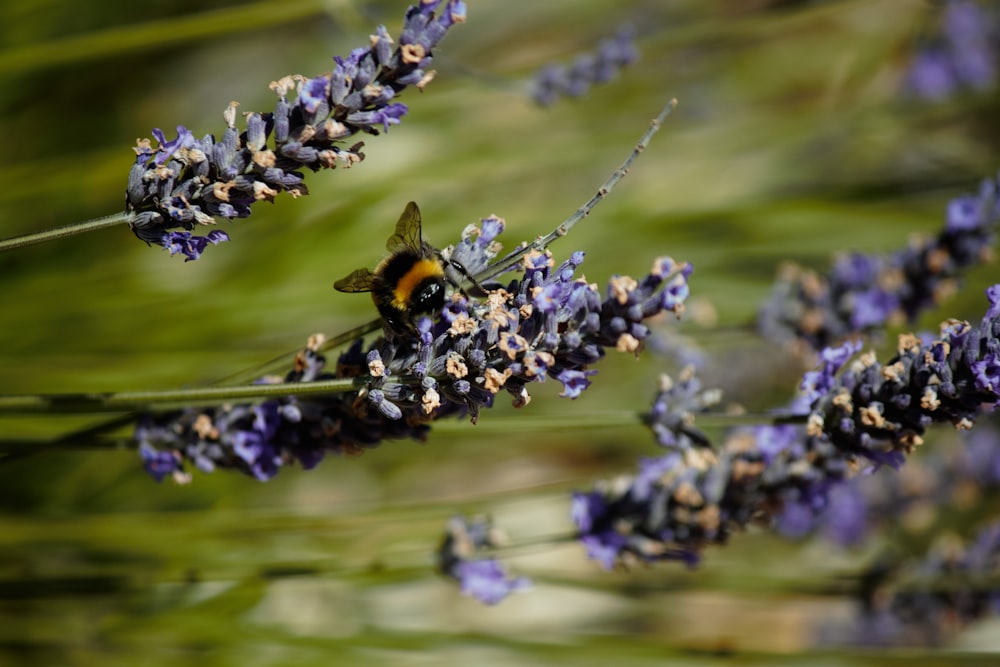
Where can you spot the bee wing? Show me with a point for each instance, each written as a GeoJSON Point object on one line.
{"type": "Point", "coordinates": [361, 280]}
{"type": "Point", "coordinates": [407, 236]}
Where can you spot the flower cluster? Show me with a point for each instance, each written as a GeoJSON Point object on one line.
{"type": "Point", "coordinates": [186, 181]}
{"type": "Point", "coordinates": [546, 324]}
{"type": "Point", "coordinates": [953, 586]}
{"type": "Point", "coordinates": [555, 81]}
{"type": "Point", "coordinates": [866, 415]}
{"type": "Point", "coordinates": [863, 293]}
{"type": "Point", "coordinates": [483, 578]}
{"type": "Point", "coordinates": [259, 439]}
{"type": "Point", "coordinates": [963, 55]}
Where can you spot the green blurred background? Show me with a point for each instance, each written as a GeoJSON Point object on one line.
{"type": "Point", "coordinates": [792, 140]}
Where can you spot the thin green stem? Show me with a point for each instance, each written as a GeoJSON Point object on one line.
{"type": "Point", "coordinates": [37, 403]}
{"type": "Point", "coordinates": [616, 419]}
{"type": "Point", "coordinates": [143, 400]}
{"type": "Point", "coordinates": [283, 360]}
{"type": "Point", "coordinates": [510, 260]}
{"type": "Point", "coordinates": [92, 437]}
{"type": "Point", "coordinates": [15, 242]}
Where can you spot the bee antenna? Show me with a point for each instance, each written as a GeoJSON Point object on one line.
{"type": "Point", "coordinates": [460, 268]}
{"type": "Point", "coordinates": [510, 260]}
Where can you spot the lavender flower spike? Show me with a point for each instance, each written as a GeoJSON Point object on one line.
{"type": "Point", "coordinates": [601, 66]}
{"type": "Point", "coordinates": [185, 181]}
{"type": "Point", "coordinates": [961, 56]}
{"type": "Point", "coordinates": [863, 293]}
{"type": "Point", "coordinates": [865, 415]}
{"type": "Point", "coordinates": [546, 324]}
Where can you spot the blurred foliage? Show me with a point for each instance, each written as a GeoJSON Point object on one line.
{"type": "Point", "coordinates": [792, 140]}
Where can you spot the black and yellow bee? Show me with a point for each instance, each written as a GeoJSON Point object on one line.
{"type": "Point", "coordinates": [410, 281]}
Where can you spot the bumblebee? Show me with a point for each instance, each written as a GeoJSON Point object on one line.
{"type": "Point", "coordinates": [410, 281]}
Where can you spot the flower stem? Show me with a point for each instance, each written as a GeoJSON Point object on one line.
{"type": "Point", "coordinates": [284, 360]}
{"type": "Point", "coordinates": [117, 402]}
{"type": "Point", "coordinates": [144, 400]}
{"type": "Point", "coordinates": [15, 242]}
{"type": "Point", "coordinates": [511, 259]}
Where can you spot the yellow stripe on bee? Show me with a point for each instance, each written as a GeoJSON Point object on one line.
{"type": "Point", "coordinates": [424, 268]}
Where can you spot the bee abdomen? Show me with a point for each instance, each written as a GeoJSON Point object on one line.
{"type": "Point", "coordinates": [417, 282]}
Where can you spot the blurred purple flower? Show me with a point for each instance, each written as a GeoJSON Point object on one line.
{"type": "Point", "coordinates": [487, 580]}
{"type": "Point", "coordinates": [483, 578]}
{"type": "Point", "coordinates": [601, 66]}
{"type": "Point", "coordinates": [963, 53]}
{"type": "Point", "coordinates": [863, 293]}
{"type": "Point", "coordinates": [159, 464]}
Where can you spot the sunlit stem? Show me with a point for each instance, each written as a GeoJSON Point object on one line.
{"type": "Point", "coordinates": [137, 402]}
{"type": "Point", "coordinates": [509, 261]}
{"type": "Point", "coordinates": [284, 361]}
{"type": "Point", "coordinates": [15, 242]}
{"type": "Point", "coordinates": [144, 400]}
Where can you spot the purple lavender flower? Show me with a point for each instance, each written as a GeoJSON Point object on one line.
{"type": "Point", "coordinates": [930, 75]}
{"type": "Point", "coordinates": [863, 293]}
{"type": "Point", "coordinates": [159, 464]}
{"type": "Point", "coordinates": [601, 66]}
{"type": "Point", "coordinates": [548, 323]}
{"type": "Point", "coordinates": [843, 515]}
{"type": "Point", "coordinates": [487, 580]}
{"type": "Point", "coordinates": [574, 382]}
{"type": "Point", "coordinates": [816, 383]}
{"type": "Point", "coordinates": [867, 416]}
{"type": "Point", "coordinates": [963, 54]}
{"type": "Point", "coordinates": [192, 246]}
{"type": "Point", "coordinates": [483, 578]}
{"type": "Point", "coordinates": [980, 457]}
{"type": "Point", "coordinates": [184, 182]}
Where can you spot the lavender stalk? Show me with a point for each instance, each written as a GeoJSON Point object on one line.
{"type": "Point", "coordinates": [185, 182]}
{"type": "Point", "coordinates": [600, 66]}
{"type": "Point", "coordinates": [870, 415]}
{"type": "Point", "coordinates": [547, 324]}
{"type": "Point", "coordinates": [960, 56]}
{"type": "Point", "coordinates": [863, 293]}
